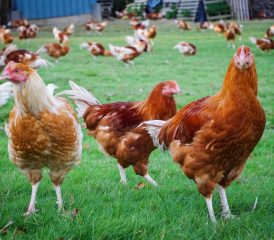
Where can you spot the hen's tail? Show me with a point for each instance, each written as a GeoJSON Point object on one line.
{"type": "Point", "coordinates": [113, 51]}
{"type": "Point", "coordinates": [81, 97]}
{"type": "Point", "coordinates": [51, 87]}
{"type": "Point", "coordinates": [253, 40]}
{"type": "Point", "coordinates": [40, 62]}
{"type": "Point", "coordinates": [130, 40]}
{"type": "Point", "coordinates": [5, 92]}
{"type": "Point", "coordinates": [10, 48]}
{"type": "Point", "coordinates": [41, 50]}
{"type": "Point", "coordinates": [153, 128]}
{"type": "Point", "coordinates": [84, 45]}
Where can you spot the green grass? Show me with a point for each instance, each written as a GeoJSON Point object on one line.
{"type": "Point", "coordinates": [174, 210]}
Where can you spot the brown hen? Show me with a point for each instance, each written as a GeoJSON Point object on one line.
{"type": "Point", "coordinates": [115, 125]}
{"type": "Point", "coordinates": [43, 130]}
{"type": "Point", "coordinates": [213, 137]}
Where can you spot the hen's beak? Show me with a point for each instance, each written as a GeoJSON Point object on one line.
{"type": "Point", "coordinates": [241, 61]}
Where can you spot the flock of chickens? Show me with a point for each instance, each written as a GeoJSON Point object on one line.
{"type": "Point", "coordinates": [141, 42]}
{"type": "Point", "coordinates": [211, 138]}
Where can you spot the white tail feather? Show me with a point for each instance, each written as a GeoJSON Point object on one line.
{"type": "Point", "coordinates": [40, 62]}
{"type": "Point", "coordinates": [82, 98]}
{"type": "Point", "coordinates": [5, 92]}
{"type": "Point", "coordinates": [112, 50]}
{"type": "Point", "coordinates": [153, 128]}
{"type": "Point", "coordinates": [253, 40]}
{"type": "Point", "coordinates": [51, 87]}
{"type": "Point", "coordinates": [41, 50]}
{"type": "Point", "coordinates": [84, 45]}
{"type": "Point", "coordinates": [10, 48]}
{"type": "Point", "coordinates": [130, 40]}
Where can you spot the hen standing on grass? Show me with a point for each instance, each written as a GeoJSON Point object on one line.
{"type": "Point", "coordinates": [43, 130]}
{"type": "Point", "coordinates": [5, 36]}
{"type": "Point", "coordinates": [213, 137]}
{"type": "Point", "coordinates": [188, 49]}
{"type": "Point", "coordinates": [115, 125]}
{"type": "Point", "coordinates": [55, 50]}
{"type": "Point", "coordinates": [95, 49]}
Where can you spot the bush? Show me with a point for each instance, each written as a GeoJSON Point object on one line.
{"type": "Point", "coordinates": [214, 9]}
{"type": "Point", "coordinates": [186, 13]}
{"type": "Point", "coordinates": [172, 13]}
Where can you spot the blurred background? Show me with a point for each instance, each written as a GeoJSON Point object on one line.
{"type": "Point", "coordinates": [46, 12]}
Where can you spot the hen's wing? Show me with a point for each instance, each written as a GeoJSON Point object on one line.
{"type": "Point", "coordinates": [186, 123]}
{"type": "Point", "coordinates": [120, 116]}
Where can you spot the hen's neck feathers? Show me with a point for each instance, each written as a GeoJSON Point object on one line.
{"type": "Point", "coordinates": [238, 83]}
{"type": "Point", "coordinates": [157, 106]}
{"type": "Point", "coordinates": [33, 97]}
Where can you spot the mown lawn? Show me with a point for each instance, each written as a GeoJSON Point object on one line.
{"type": "Point", "coordinates": [174, 210]}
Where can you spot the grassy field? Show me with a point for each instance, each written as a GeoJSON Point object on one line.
{"type": "Point", "coordinates": [174, 210]}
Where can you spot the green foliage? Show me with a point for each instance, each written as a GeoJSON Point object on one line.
{"type": "Point", "coordinates": [186, 13]}
{"type": "Point", "coordinates": [136, 9]}
{"type": "Point", "coordinates": [174, 210]}
{"type": "Point", "coordinates": [119, 5]}
{"type": "Point", "coordinates": [218, 8]}
{"type": "Point", "coordinates": [172, 13]}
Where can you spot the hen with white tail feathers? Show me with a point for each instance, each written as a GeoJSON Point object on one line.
{"type": "Point", "coordinates": [116, 126]}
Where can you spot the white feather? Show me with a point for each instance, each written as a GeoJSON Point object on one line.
{"type": "Point", "coordinates": [130, 40]}
{"type": "Point", "coordinates": [51, 87]}
{"type": "Point", "coordinates": [82, 98]}
{"type": "Point", "coordinates": [84, 45]}
{"type": "Point", "coordinates": [41, 50]}
{"type": "Point", "coordinates": [253, 40]}
{"type": "Point", "coordinates": [5, 92]}
{"type": "Point", "coordinates": [153, 128]}
{"type": "Point", "coordinates": [40, 62]}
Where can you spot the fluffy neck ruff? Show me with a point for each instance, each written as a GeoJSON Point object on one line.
{"type": "Point", "coordinates": [33, 97]}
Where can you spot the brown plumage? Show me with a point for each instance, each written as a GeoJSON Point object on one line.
{"type": "Point", "coordinates": [219, 27]}
{"type": "Point", "coordinates": [55, 50]}
{"type": "Point", "coordinates": [270, 32]}
{"type": "Point", "coordinates": [69, 29]}
{"type": "Point", "coordinates": [126, 54]}
{"type": "Point", "coordinates": [115, 125]}
{"type": "Point", "coordinates": [213, 137]}
{"type": "Point", "coordinates": [186, 48]}
{"type": "Point", "coordinates": [95, 26]}
{"type": "Point", "coordinates": [265, 44]}
{"type": "Point", "coordinates": [12, 54]}
{"type": "Point", "coordinates": [26, 32]}
{"type": "Point", "coordinates": [230, 36]}
{"type": "Point", "coordinates": [96, 49]}
{"type": "Point", "coordinates": [19, 22]}
{"type": "Point", "coordinates": [236, 28]}
{"type": "Point", "coordinates": [136, 24]}
{"type": "Point", "coordinates": [205, 26]}
{"type": "Point", "coordinates": [43, 130]}
{"type": "Point", "coordinates": [151, 32]}
{"type": "Point", "coordinates": [5, 36]}
{"type": "Point", "coordinates": [183, 25]}
{"type": "Point", "coordinates": [154, 16]}
{"type": "Point", "coordinates": [59, 36]}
